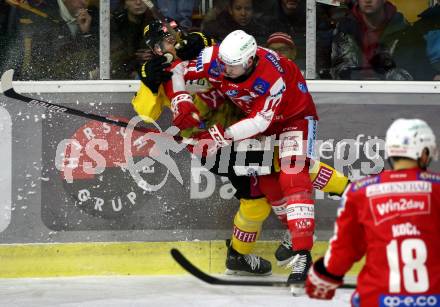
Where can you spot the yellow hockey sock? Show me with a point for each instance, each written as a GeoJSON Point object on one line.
{"type": "Point", "coordinates": [247, 223]}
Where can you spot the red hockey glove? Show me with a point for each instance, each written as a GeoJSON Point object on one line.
{"type": "Point", "coordinates": [210, 140]}
{"type": "Point", "coordinates": [321, 284]}
{"type": "Point", "coordinates": [185, 114]}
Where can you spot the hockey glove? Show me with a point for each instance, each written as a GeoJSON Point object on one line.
{"type": "Point", "coordinates": [185, 114]}
{"type": "Point", "coordinates": [192, 44]}
{"type": "Point", "coordinates": [210, 140]}
{"type": "Point", "coordinates": [153, 72]}
{"type": "Point", "coordinates": [321, 284]}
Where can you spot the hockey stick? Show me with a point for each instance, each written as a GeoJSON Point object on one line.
{"type": "Point", "coordinates": [8, 91]}
{"type": "Point", "coordinates": [25, 6]}
{"type": "Point", "coordinates": [196, 272]}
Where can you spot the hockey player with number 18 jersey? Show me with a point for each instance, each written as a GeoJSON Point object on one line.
{"type": "Point", "coordinates": [392, 218]}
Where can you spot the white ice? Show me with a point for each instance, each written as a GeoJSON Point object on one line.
{"type": "Point", "coordinates": [157, 291]}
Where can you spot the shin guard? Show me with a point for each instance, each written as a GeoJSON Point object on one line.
{"type": "Point", "coordinates": [279, 208]}
{"type": "Point", "coordinates": [248, 222]}
{"type": "Point", "coordinates": [300, 210]}
{"type": "Point", "coordinates": [301, 222]}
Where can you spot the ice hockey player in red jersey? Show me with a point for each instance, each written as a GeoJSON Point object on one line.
{"type": "Point", "coordinates": [156, 77]}
{"type": "Point", "coordinates": [272, 93]}
{"type": "Point", "coordinates": [392, 218]}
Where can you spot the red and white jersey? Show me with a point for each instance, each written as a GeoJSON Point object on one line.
{"type": "Point", "coordinates": [393, 219]}
{"type": "Point", "coordinates": [275, 91]}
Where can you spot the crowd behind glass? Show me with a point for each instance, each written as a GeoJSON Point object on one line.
{"type": "Point", "coordinates": [355, 39]}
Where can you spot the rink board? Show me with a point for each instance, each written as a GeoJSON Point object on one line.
{"type": "Point", "coordinates": [131, 258]}
{"type": "Point", "coordinates": [40, 211]}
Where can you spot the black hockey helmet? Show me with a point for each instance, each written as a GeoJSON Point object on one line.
{"type": "Point", "coordinates": [156, 31]}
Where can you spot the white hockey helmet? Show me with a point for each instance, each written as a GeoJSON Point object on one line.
{"type": "Point", "coordinates": [237, 48]}
{"type": "Point", "coordinates": [408, 138]}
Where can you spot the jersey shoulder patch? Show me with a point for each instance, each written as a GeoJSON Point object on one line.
{"type": "Point", "coordinates": [360, 184]}
{"type": "Point", "coordinates": [302, 86]}
{"type": "Point", "coordinates": [215, 69]}
{"type": "Point", "coordinates": [275, 61]}
{"type": "Point", "coordinates": [260, 86]}
{"type": "Point", "coordinates": [428, 176]}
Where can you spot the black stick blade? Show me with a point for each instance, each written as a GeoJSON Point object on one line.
{"type": "Point", "coordinates": [196, 272]}
{"type": "Point", "coordinates": [190, 268]}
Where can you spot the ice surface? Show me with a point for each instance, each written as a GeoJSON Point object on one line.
{"type": "Point", "coordinates": [158, 291]}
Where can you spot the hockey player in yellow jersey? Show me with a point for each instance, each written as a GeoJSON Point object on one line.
{"type": "Point", "coordinates": [211, 107]}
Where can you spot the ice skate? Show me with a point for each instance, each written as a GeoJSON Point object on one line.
{"type": "Point", "coordinates": [300, 265]}
{"type": "Point", "coordinates": [284, 253]}
{"type": "Point", "coordinates": [246, 265]}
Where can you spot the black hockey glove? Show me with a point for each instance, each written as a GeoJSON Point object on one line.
{"type": "Point", "coordinates": [153, 72]}
{"type": "Point", "coordinates": [192, 44]}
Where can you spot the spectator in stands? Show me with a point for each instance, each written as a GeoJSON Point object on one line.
{"type": "Point", "coordinates": [327, 18]}
{"type": "Point", "coordinates": [289, 17]}
{"type": "Point", "coordinates": [128, 48]}
{"type": "Point", "coordinates": [77, 16]}
{"type": "Point", "coordinates": [179, 10]}
{"type": "Point", "coordinates": [428, 26]}
{"type": "Point", "coordinates": [76, 50]}
{"type": "Point", "coordinates": [374, 42]}
{"type": "Point", "coordinates": [263, 7]}
{"type": "Point", "coordinates": [28, 40]}
{"type": "Point", "coordinates": [283, 44]}
{"type": "Point", "coordinates": [238, 15]}
{"type": "Point", "coordinates": [115, 5]}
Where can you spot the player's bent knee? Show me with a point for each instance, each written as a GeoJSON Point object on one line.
{"type": "Point", "coordinates": [256, 210]}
